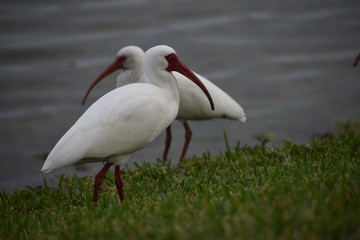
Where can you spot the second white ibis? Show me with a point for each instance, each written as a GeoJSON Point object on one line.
{"type": "Point", "coordinates": [193, 103]}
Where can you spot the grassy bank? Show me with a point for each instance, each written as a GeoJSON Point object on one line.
{"type": "Point", "coordinates": [290, 192]}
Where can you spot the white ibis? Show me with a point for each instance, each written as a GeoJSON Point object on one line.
{"type": "Point", "coordinates": [125, 119]}
{"type": "Point", "coordinates": [193, 103]}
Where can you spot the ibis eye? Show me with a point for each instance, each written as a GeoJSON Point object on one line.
{"type": "Point", "coordinates": [123, 58]}
{"type": "Point", "coordinates": [171, 58]}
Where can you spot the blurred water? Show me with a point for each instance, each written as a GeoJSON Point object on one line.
{"type": "Point", "coordinates": [288, 64]}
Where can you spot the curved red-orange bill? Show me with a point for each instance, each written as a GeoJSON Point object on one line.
{"type": "Point", "coordinates": [116, 65]}
{"type": "Point", "coordinates": [176, 65]}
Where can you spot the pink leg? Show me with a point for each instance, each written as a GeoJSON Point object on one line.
{"type": "Point", "coordinates": [119, 183]}
{"type": "Point", "coordinates": [98, 181]}
{"type": "Point", "coordinates": [167, 142]}
{"type": "Point", "coordinates": [188, 135]}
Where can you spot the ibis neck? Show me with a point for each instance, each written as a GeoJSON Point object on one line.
{"type": "Point", "coordinates": [129, 76]}
{"type": "Point", "coordinates": [166, 81]}
{"type": "Point", "coordinates": [173, 88]}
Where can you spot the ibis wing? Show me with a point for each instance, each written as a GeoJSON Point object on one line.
{"type": "Point", "coordinates": [121, 122]}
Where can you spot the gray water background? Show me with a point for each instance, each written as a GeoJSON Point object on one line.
{"type": "Point", "coordinates": [288, 63]}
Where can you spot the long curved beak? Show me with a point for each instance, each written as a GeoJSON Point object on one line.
{"type": "Point", "coordinates": [184, 70]}
{"type": "Point", "coordinates": [116, 65]}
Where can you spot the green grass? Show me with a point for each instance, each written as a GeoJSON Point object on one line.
{"type": "Point", "coordinates": [293, 191]}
